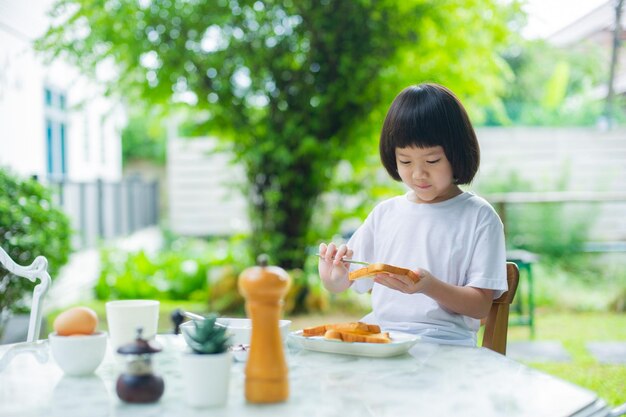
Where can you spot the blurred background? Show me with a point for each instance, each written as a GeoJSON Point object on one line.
{"type": "Point", "coordinates": [152, 149]}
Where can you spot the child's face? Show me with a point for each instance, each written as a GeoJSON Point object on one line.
{"type": "Point", "coordinates": [427, 172]}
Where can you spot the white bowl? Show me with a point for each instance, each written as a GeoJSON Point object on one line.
{"type": "Point", "coordinates": [241, 329]}
{"type": "Point", "coordinates": [78, 355]}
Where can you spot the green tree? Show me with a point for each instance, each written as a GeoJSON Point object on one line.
{"type": "Point", "coordinates": [143, 139]}
{"type": "Point", "coordinates": [551, 86]}
{"type": "Point", "coordinates": [293, 86]}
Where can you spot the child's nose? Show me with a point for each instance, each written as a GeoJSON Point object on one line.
{"type": "Point", "coordinates": [418, 173]}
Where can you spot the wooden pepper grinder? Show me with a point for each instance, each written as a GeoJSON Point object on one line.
{"type": "Point", "coordinates": [264, 288]}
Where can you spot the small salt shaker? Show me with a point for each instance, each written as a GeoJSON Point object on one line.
{"type": "Point", "coordinates": [138, 384]}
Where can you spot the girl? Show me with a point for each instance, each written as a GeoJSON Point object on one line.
{"type": "Point", "coordinates": [453, 240]}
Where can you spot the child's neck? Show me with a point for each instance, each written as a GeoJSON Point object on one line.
{"type": "Point", "coordinates": [451, 192]}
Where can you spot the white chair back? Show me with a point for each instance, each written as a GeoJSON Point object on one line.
{"type": "Point", "coordinates": [38, 269]}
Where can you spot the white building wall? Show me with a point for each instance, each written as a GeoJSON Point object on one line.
{"type": "Point", "coordinates": [204, 191]}
{"type": "Point", "coordinates": [21, 107]}
{"type": "Point", "coordinates": [94, 123]}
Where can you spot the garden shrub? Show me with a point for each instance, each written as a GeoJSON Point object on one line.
{"type": "Point", "coordinates": [178, 271]}
{"type": "Point", "coordinates": [30, 226]}
{"type": "Point", "coordinates": [196, 270]}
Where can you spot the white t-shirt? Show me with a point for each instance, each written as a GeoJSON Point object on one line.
{"type": "Point", "coordinates": [459, 241]}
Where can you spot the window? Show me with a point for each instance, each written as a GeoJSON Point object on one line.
{"type": "Point", "coordinates": [56, 134]}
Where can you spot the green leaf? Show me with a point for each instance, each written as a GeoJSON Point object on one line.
{"type": "Point", "coordinates": [206, 336]}
{"type": "Point", "coordinates": [556, 87]}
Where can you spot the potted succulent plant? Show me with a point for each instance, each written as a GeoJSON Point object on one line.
{"type": "Point", "coordinates": [206, 367]}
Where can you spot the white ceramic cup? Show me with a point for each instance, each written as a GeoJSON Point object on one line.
{"type": "Point", "coordinates": [125, 316]}
{"type": "Point", "coordinates": [78, 355]}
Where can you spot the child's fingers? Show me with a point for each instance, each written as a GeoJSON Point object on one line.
{"type": "Point", "coordinates": [341, 253]}
{"type": "Point", "coordinates": [396, 282]}
{"type": "Point", "coordinates": [330, 252]}
{"type": "Point", "coordinates": [322, 250]}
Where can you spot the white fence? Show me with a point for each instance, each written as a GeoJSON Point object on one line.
{"type": "Point", "coordinates": [580, 161]}
{"type": "Point", "coordinates": [204, 198]}
{"type": "Point", "coordinates": [103, 210]}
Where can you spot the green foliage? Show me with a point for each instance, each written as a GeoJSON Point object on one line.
{"type": "Point", "coordinates": [548, 228]}
{"type": "Point", "coordinates": [144, 138]}
{"type": "Point", "coordinates": [182, 270]}
{"type": "Point", "coordinates": [584, 282]}
{"type": "Point", "coordinates": [550, 86]}
{"type": "Point", "coordinates": [293, 87]}
{"type": "Point", "coordinates": [206, 336]}
{"type": "Point", "coordinates": [30, 226]}
{"type": "Point", "coordinates": [197, 270]}
{"type": "Point", "coordinates": [356, 188]}
{"type": "Point", "coordinates": [556, 87]}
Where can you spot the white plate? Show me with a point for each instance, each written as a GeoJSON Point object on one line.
{"type": "Point", "coordinates": [400, 343]}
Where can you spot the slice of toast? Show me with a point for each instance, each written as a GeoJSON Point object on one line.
{"type": "Point", "coordinates": [380, 268]}
{"type": "Point", "coordinates": [333, 335]}
{"type": "Point", "coordinates": [314, 331]}
{"type": "Point", "coordinates": [355, 327]}
{"type": "Point", "coordinates": [351, 337]}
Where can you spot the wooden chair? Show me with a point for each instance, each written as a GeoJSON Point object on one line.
{"type": "Point", "coordinates": [38, 269]}
{"type": "Point", "coordinates": [497, 323]}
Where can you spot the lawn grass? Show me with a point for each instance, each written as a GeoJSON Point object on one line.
{"type": "Point", "coordinates": [573, 330]}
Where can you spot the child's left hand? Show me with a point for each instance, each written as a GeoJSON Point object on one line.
{"type": "Point", "coordinates": [404, 283]}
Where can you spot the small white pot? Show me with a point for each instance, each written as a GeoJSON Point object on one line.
{"type": "Point", "coordinates": [206, 378]}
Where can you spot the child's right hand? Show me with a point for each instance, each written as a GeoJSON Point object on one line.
{"type": "Point", "coordinates": [333, 272]}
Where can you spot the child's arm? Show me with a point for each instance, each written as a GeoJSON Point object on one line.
{"type": "Point", "coordinates": [333, 272]}
{"type": "Point", "coordinates": [468, 301]}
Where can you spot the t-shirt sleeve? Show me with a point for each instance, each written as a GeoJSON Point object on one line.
{"type": "Point", "coordinates": [487, 268]}
{"type": "Point", "coordinates": [362, 245]}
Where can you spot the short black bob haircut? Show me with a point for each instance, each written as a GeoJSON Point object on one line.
{"type": "Point", "coordinates": [428, 115]}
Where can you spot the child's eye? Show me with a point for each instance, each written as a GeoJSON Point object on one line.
{"type": "Point", "coordinates": [405, 162]}
{"type": "Point", "coordinates": [434, 162]}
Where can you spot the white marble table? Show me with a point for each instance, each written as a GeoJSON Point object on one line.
{"type": "Point", "coordinates": [432, 381]}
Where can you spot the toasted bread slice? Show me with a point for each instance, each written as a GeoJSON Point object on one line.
{"type": "Point", "coordinates": [373, 328]}
{"type": "Point", "coordinates": [314, 331]}
{"type": "Point", "coordinates": [366, 338]}
{"type": "Point", "coordinates": [351, 337]}
{"type": "Point", "coordinates": [333, 335]}
{"type": "Point", "coordinates": [380, 268]}
{"type": "Point", "coordinates": [355, 327]}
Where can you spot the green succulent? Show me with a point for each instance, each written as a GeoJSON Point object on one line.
{"type": "Point", "coordinates": [206, 336]}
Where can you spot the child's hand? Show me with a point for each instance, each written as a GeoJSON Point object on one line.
{"type": "Point", "coordinates": [404, 283]}
{"type": "Point", "coordinates": [334, 272]}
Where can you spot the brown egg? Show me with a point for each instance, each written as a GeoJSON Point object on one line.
{"type": "Point", "coordinates": [76, 321]}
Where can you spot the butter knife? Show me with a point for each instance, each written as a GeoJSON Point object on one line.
{"type": "Point", "coordinates": [350, 261]}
